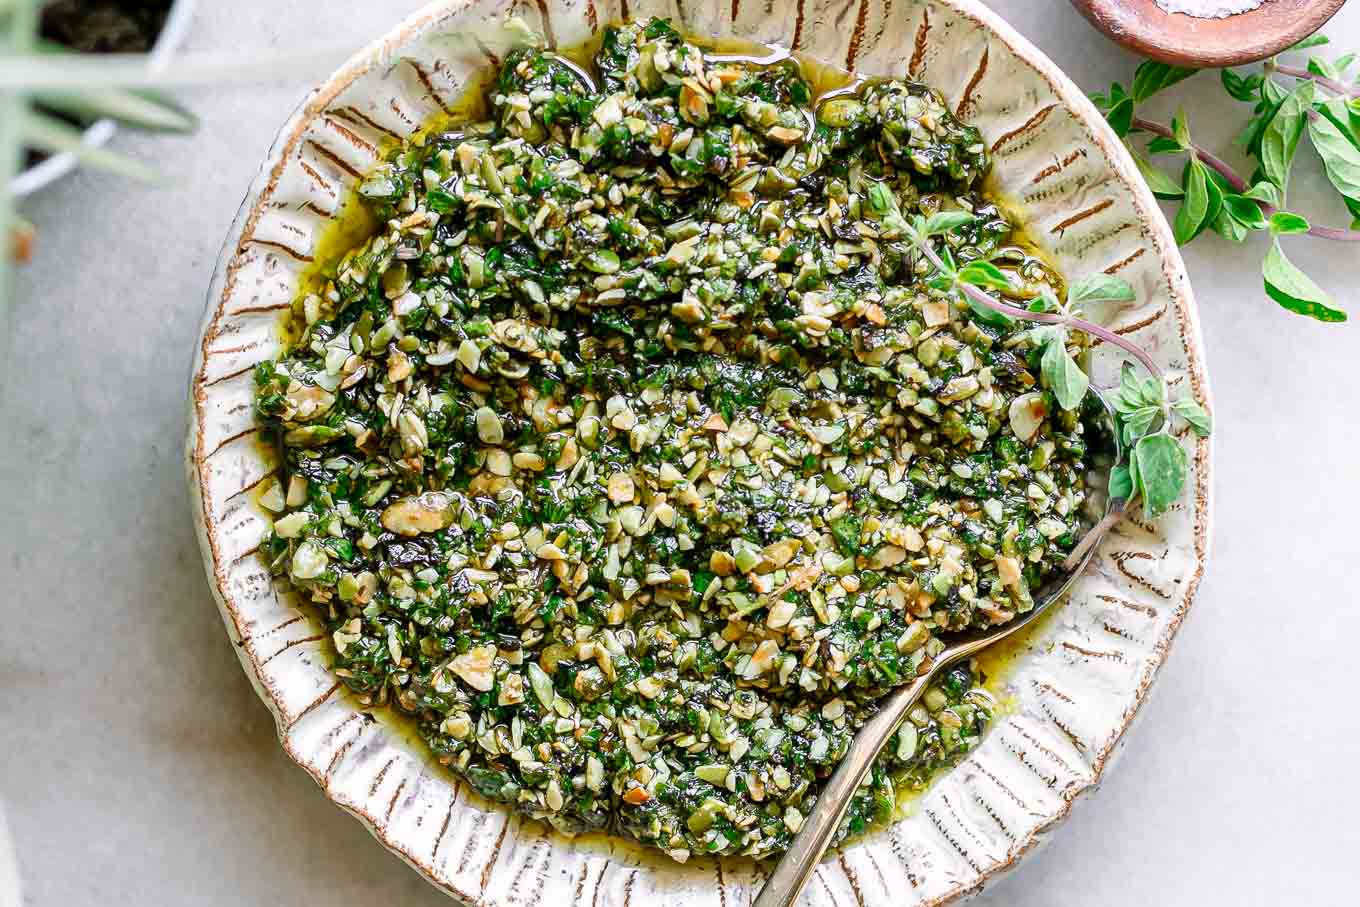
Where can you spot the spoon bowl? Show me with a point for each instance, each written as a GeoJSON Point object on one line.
{"type": "Point", "coordinates": [796, 867]}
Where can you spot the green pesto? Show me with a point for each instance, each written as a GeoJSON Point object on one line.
{"type": "Point", "coordinates": [634, 459]}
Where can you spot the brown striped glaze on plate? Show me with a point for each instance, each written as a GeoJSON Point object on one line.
{"type": "Point", "coordinates": [1075, 688]}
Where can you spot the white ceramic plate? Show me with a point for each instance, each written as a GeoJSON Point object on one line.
{"type": "Point", "coordinates": [1076, 688]}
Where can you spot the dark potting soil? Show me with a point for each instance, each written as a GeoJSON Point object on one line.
{"type": "Point", "coordinates": [104, 26]}
{"type": "Point", "coordinates": [101, 27]}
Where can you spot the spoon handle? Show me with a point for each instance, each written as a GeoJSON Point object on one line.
{"type": "Point", "coordinates": [798, 864]}
{"type": "Point", "coordinates": [795, 868]}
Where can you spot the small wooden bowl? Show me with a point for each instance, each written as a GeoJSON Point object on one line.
{"type": "Point", "coordinates": [1143, 26]}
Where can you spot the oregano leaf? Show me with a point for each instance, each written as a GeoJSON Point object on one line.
{"type": "Point", "coordinates": [983, 314]}
{"type": "Point", "coordinates": [1294, 290]}
{"type": "Point", "coordinates": [1161, 184]}
{"type": "Point", "coordinates": [1195, 416]}
{"type": "Point", "coordinates": [1313, 40]}
{"type": "Point", "coordinates": [1130, 395]}
{"type": "Point", "coordinates": [1099, 287]}
{"type": "Point", "coordinates": [1062, 374]}
{"type": "Point", "coordinates": [984, 274]}
{"type": "Point", "coordinates": [1266, 192]}
{"type": "Point", "coordinates": [1245, 211]}
{"type": "Point", "coordinates": [1133, 470]}
{"type": "Point", "coordinates": [1044, 302]}
{"type": "Point", "coordinates": [1161, 473]}
{"type": "Point", "coordinates": [1194, 209]}
{"type": "Point", "coordinates": [1120, 116]}
{"type": "Point", "coordinates": [1043, 333]}
{"type": "Point", "coordinates": [1340, 157]}
{"type": "Point", "coordinates": [1280, 139]}
{"type": "Point", "coordinates": [1163, 145]}
{"type": "Point", "coordinates": [1285, 223]}
{"type": "Point", "coordinates": [1321, 67]}
{"type": "Point", "coordinates": [1353, 206]}
{"type": "Point", "coordinates": [1121, 483]}
{"type": "Point", "coordinates": [946, 221]}
{"type": "Point", "coordinates": [1180, 130]}
{"type": "Point", "coordinates": [1273, 93]}
{"type": "Point", "coordinates": [1243, 88]}
{"type": "Point", "coordinates": [1214, 189]}
{"type": "Point", "coordinates": [1153, 390]}
{"type": "Point", "coordinates": [1219, 180]}
{"type": "Point", "coordinates": [1228, 227]}
{"type": "Point", "coordinates": [1153, 76]}
{"type": "Point", "coordinates": [1139, 422]}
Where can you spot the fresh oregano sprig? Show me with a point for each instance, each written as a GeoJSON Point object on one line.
{"type": "Point", "coordinates": [1320, 103]}
{"type": "Point", "coordinates": [976, 275]}
{"type": "Point", "coordinates": [1145, 416]}
{"type": "Point", "coordinates": [1145, 412]}
{"type": "Point", "coordinates": [1057, 367]}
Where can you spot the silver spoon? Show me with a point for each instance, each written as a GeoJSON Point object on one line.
{"type": "Point", "coordinates": [796, 867]}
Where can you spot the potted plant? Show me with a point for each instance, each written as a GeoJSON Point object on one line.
{"type": "Point", "coordinates": [154, 27]}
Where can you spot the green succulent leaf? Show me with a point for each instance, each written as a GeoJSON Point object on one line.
{"type": "Point", "coordinates": [141, 110]}
{"type": "Point", "coordinates": [55, 136]}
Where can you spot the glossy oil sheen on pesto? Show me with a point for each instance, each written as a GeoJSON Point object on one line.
{"type": "Point", "coordinates": [633, 458]}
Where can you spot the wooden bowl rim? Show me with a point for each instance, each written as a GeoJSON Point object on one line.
{"type": "Point", "coordinates": [1184, 40]}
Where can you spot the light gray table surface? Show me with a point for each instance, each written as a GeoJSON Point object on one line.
{"type": "Point", "coordinates": [137, 766]}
